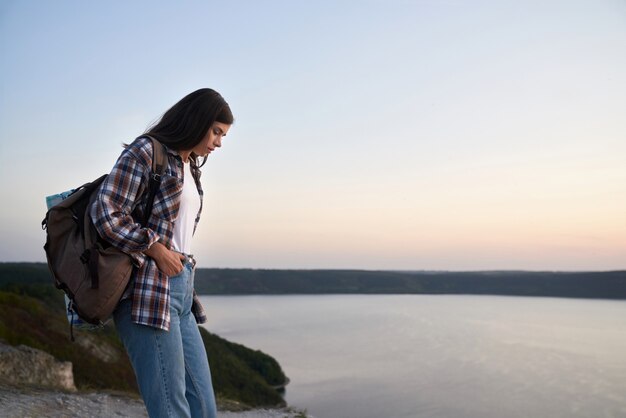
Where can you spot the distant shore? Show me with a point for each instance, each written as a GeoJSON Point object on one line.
{"type": "Point", "coordinates": [594, 285]}
{"type": "Point", "coordinates": [225, 281]}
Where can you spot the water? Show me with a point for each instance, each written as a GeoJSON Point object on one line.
{"type": "Point", "coordinates": [405, 356]}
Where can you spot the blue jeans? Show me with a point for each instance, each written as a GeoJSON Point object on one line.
{"type": "Point", "coordinates": [171, 367]}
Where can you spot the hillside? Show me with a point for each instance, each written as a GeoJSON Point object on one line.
{"type": "Point", "coordinates": [31, 313]}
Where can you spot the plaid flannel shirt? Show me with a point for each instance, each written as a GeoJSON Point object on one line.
{"type": "Point", "coordinates": [116, 214]}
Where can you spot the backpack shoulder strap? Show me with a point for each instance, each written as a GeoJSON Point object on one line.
{"type": "Point", "coordinates": [159, 157]}
{"type": "Point", "coordinates": [159, 163]}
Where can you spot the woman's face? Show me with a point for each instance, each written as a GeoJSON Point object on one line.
{"type": "Point", "coordinates": [212, 139]}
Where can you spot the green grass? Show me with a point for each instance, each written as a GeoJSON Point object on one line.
{"type": "Point", "coordinates": [29, 321]}
{"type": "Point", "coordinates": [247, 377]}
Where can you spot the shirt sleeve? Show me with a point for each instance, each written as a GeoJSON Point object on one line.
{"type": "Point", "coordinates": [197, 309]}
{"type": "Point", "coordinates": [112, 209]}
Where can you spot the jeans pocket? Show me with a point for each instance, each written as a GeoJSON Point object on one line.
{"type": "Point", "coordinates": [178, 283]}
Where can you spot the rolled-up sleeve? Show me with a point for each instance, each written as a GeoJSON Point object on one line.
{"type": "Point", "coordinates": [115, 202]}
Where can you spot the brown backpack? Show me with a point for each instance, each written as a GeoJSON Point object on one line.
{"type": "Point", "coordinates": [92, 273]}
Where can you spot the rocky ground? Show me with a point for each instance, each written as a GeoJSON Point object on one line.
{"type": "Point", "coordinates": [22, 402]}
{"type": "Point", "coordinates": [30, 402]}
{"type": "Point", "coordinates": [34, 384]}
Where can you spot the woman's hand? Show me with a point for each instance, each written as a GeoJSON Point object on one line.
{"type": "Point", "coordinates": [169, 262]}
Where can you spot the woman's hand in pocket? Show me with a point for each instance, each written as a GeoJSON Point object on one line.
{"type": "Point", "coordinates": [169, 262]}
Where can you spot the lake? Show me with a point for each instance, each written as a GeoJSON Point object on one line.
{"type": "Point", "coordinates": [443, 356]}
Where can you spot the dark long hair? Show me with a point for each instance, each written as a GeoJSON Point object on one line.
{"type": "Point", "coordinates": [184, 125]}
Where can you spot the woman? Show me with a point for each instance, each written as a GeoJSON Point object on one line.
{"type": "Point", "coordinates": [158, 315]}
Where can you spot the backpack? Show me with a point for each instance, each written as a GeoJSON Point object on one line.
{"type": "Point", "coordinates": [92, 273]}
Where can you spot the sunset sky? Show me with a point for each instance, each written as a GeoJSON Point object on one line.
{"type": "Point", "coordinates": [396, 134]}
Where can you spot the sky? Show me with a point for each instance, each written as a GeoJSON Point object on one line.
{"type": "Point", "coordinates": [395, 135]}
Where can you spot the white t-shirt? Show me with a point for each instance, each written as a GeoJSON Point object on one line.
{"type": "Point", "coordinates": [187, 213]}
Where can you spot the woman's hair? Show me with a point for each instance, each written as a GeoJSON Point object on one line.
{"type": "Point", "coordinates": [186, 123]}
